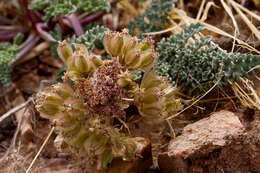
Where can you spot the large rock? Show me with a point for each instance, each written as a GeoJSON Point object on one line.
{"type": "Point", "coordinates": [213, 144]}
{"type": "Point", "coordinates": [206, 135]}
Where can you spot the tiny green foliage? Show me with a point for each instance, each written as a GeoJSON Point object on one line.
{"type": "Point", "coordinates": [196, 66]}
{"type": "Point", "coordinates": [55, 8]}
{"type": "Point", "coordinates": [60, 73]}
{"type": "Point", "coordinates": [92, 38]}
{"type": "Point", "coordinates": [154, 17]}
{"type": "Point", "coordinates": [7, 54]}
{"type": "Point", "coordinates": [57, 35]}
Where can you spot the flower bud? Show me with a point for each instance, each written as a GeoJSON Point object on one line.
{"type": "Point", "coordinates": [64, 51]}
{"type": "Point", "coordinates": [146, 44]}
{"type": "Point", "coordinates": [151, 80]}
{"type": "Point", "coordinates": [49, 111]}
{"type": "Point", "coordinates": [125, 79]}
{"type": "Point", "coordinates": [149, 98]}
{"type": "Point", "coordinates": [63, 90]}
{"type": "Point", "coordinates": [113, 43]}
{"type": "Point", "coordinates": [131, 58]}
{"type": "Point", "coordinates": [156, 99]}
{"type": "Point", "coordinates": [81, 64]}
{"type": "Point", "coordinates": [96, 61]}
{"type": "Point", "coordinates": [79, 138]}
{"type": "Point", "coordinates": [169, 92]}
{"type": "Point", "coordinates": [74, 75]}
{"type": "Point", "coordinates": [52, 98]}
{"type": "Point", "coordinates": [81, 49]}
{"type": "Point", "coordinates": [146, 59]}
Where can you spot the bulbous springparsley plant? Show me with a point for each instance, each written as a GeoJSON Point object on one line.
{"type": "Point", "coordinates": [94, 92]}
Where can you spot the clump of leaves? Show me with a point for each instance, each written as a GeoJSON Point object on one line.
{"type": "Point", "coordinates": [94, 92]}
{"type": "Point", "coordinates": [7, 55]}
{"type": "Point", "coordinates": [154, 17]}
{"type": "Point", "coordinates": [55, 8]}
{"type": "Point", "coordinates": [92, 38]}
{"type": "Point", "coordinates": [195, 66]}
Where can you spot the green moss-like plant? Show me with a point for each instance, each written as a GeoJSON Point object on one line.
{"type": "Point", "coordinates": [154, 17]}
{"type": "Point", "coordinates": [94, 92]}
{"type": "Point", "coordinates": [195, 66]}
{"type": "Point", "coordinates": [7, 54]}
{"type": "Point", "coordinates": [55, 8]}
{"type": "Point", "coordinates": [92, 38]}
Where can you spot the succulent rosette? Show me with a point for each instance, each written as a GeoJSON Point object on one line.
{"type": "Point", "coordinates": [94, 92]}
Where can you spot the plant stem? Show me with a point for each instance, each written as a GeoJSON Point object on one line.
{"type": "Point", "coordinates": [28, 13]}
{"type": "Point", "coordinates": [128, 6]}
{"type": "Point", "coordinates": [45, 35]}
{"type": "Point", "coordinates": [61, 23]}
{"type": "Point", "coordinates": [91, 18]}
{"type": "Point", "coordinates": [27, 41]}
{"type": "Point", "coordinates": [76, 25]}
{"type": "Point", "coordinates": [26, 49]}
{"type": "Point", "coordinates": [15, 109]}
{"type": "Point", "coordinates": [5, 20]}
{"type": "Point", "coordinates": [7, 36]}
{"type": "Point", "coordinates": [10, 27]}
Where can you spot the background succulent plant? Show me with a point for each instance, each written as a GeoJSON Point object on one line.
{"type": "Point", "coordinates": [197, 66]}
{"type": "Point", "coordinates": [154, 17]}
{"type": "Point", "coordinates": [96, 91]}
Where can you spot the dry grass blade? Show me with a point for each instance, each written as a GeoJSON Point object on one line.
{"type": "Point", "coordinates": [181, 4]}
{"type": "Point", "coordinates": [258, 66]}
{"type": "Point", "coordinates": [188, 20]}
{"type": "Point", "coordinates": [229, 12]}
{"type": "Point", "coordinates": [173, 135]}
{"type": "Point", "coordinates": [257, 17]}
{"type": "Point", "coordinates": [177, 114]}
{"type": "Point", "coordinates": [246, 94]}
{"type": "Point", "coordinates": [201, 9]}
{"type": "Point", "coordinates": [7, 114]}
{"type": "Point", "coordinates": [181, 15]}
{"type": "Point", "coordinates": [247, 21]}
{"type": "Point", "coordinates": [129, 7]}
{"type": "Point", "coordinates": [206, 11]}
{"type": "Point", "coordinates": [39, 152]}
{"type": "Point", "coordinates": [161, 32]}
{"type": "Point", "coordinates": [125, 125]}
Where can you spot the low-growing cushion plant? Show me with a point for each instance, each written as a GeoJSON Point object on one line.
{"type": "Point", "coordinates": [195, 66]}
{"type": "Point", "coordinates": [94, 92]}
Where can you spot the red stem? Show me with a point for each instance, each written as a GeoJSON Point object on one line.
{"type": "Point", "coordinates": [7, 36]}
{"type": "Point", "coordinates": [5, 20]}
{"type": "Point", "coordinates": [91, 18]}
{"type": "Point", "coordinates": [61, 23]}
{"type": "Point", "coordinates": [25, 49]}
{"type": "Point", "coordinates": [43, 34]}
{"type": "Point", "coordinates": [76, 25]}
{"type": "Point", "coordinates": [28, 13]}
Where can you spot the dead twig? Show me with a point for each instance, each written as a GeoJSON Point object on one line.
{"type": "Point", "coordinates": [15, 109]}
